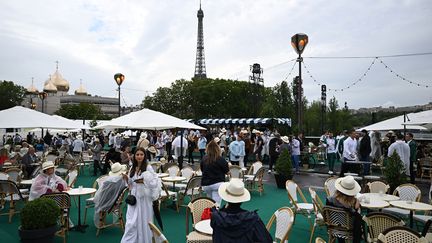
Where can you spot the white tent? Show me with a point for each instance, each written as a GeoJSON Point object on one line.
{"type": "Point", "coordinates": [396, 123]}
{"type": "Point", "coordinates": [21, 117]}
{"type": "Point", "coordinates": [423, 118]}
{"type": "Point", "coordinates": [78, 123]}
{"type": "Point", "coordinates": [148, 119]}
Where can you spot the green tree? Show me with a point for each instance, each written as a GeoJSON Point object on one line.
{"type": "Point", "coordinates": [10, 94]}
{"type": "Point", "coordinates": [85, 111]}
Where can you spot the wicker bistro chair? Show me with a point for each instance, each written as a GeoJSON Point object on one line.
{"type": "Point", "coordinates": [427, 215]}
{"type": "Point", "coordinates": [254, 168]}
{"type": "Point", "coordinates": [425, 167]}
{"type": "Point", "coordinates": [115, 210]}
{"type": "Point", "coordinates": [195, 209]}
{"type": "Point", "coordinates": [329, 186]}
{"type": "Point", "coordinates": [405, 192]}
{"type": "Point", "coordinates": [256, 182]}
{"type": "Point", "coordinates": [378, 187]}
{"type": "Point", "coordinates": [235, 171]}
{"type": "Point", "coordinates": [156, 165]}
{"type": "Point", "coordinates": [283, 218]}
{"type": "Point", "coordinates": [304, 208]}
{"type": "Point", "coordinates": [400, 234]}
{"type": "Point", "coordinates": [188, 172]}
{"type": "Point", "coordinates": [71, 177]}
{"type": "Point", "coordinates": [319, 240]}
{"type": "Point", "coordinates": [15, 174]}
{"type": "Point", "coordinates": [317, 206]}
{"type": "Point", "coordinates": [339, 223]}
{"type": "Point", "coordinates": [9, 192]}
{"type": "Point", "coordinates": [377, 222]}
{"type": "Point", "coordinates": [64, 202]}
{"type": "Point", "coordinates": [192, 190]}
{"type": "Point", "coordinates": [157, 236]}
{"type": "Point", "coordinates": [90, 201]}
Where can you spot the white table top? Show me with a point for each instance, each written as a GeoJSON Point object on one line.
{"type": "Point", "coordinates": [80, 191]}
{"type": "Point", "coordinates": [160, 175]}
{"type": "Point", "coordinates": [377, 196]}
{"type": "Point", "coordinates": [26, 182]}
{"type": "Point", "coordinates": [204, 227]}
{"type": "Point", "coordinates": [174, 178]}
{"type": "Point", "coordinates": [414, 206]}
{"type": "Point", "coordinates": [375, 204]}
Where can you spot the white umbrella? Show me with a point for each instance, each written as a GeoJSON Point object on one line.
{"type": "Point", "coordinates": [423, 118]}
{"type": "Point", "coordinates": [22, 117]}
{"type": "Point", "coordinates": [149, 120]}
{"type": "Point", "coordinates": [77, 123]}
{"type": "Point", "coordinates": [395, 123]}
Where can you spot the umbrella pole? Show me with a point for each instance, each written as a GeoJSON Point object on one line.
{"type": "Point", "coordinates": [180, 158]}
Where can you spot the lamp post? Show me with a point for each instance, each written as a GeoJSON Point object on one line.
{"type": "Point", "coordinates": [323, 106]}
{"type": "Point", "coordinates": [299, 42]}
{"type": "Point", "coordinates": [119, 78]}
{"type": "Point", "coordinates": [43, 95]}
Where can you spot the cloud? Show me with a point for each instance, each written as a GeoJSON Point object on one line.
{"type": "Point", "coordinates": [154, 43]}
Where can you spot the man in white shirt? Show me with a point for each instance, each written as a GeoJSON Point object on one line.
{"type": "Point", "coordinates": [78, 145]}
{"type": "Point", "coordinates": [295, 152]}
{"type": "Point", "coordinates": [180, 149]}
{"type": "Point", "coordinates": [349, 152]}
{"type": "Point", "coordinates": [403, 150]}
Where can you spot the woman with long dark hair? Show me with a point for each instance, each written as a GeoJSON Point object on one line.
{"type": "Point", "coordinates": [145, 186]}
{"type": "Point", "coordinates": [214, 168]}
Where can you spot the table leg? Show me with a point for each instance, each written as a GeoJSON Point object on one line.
{"type": "Point", "coordinates": [79, 227]}
{"type": "Point", "coordinates": [411, 218]}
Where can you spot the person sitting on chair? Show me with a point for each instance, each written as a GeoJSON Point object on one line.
{"type": "Point", "coordinates": [47, 182]}
{"type": "Point", "coordinates": [105, 196]}
{"type": "Point", "coordinates": [344, 197]}
{"type": "Point", "coordinates": [234, 224]}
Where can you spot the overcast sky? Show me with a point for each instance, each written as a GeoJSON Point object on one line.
{"type": "Point", "coordinates": [153, 43]}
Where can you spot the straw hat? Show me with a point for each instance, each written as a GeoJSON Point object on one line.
{"type": "Point", "coordinates": [162, 160]}
{"type": "Point", "coordinates": [117, 169]}
{"type": "Point", "coordinates": [79, 137]}
{"type": "Point", "coordinates": [234, 191]}
{"type": "Point", "coordinates": [126, 136]}
{"type": "Point", "coordinates": [47, 164]}
{"type": "Point", "coordinates": [285, 139]}
{"type": "Point", "coordinates": [347, 185]}
{"type": "Point", "coordinates": [244, 131]}
{"type": "Point", "coordinates": [152, 149]}
{"type": "Point", "coordinates": [217, 139]}
{"type": "Point", "coordinates": [223, 130]}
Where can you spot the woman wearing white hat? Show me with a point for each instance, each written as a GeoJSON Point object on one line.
{"type": "Point", "coordinates": [234, 224]}
{"type": "Point", "coordinates": [344, 197]}
{"type": "Point", "coordinates": [47, 182]}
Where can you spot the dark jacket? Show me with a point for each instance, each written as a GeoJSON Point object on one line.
{"type": "Point", "coordinates": [274, 142]}
{"type": "Point", "coordinates": [213, 172]}
{"type": "Point", "coordinates": [365, 146]}
{"type": "Point", "coordinates": [238, 226]}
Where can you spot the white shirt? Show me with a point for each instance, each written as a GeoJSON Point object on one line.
{"type": "Point", "coordinates": [295, 146]}
{"type": "Point", "coordinates": [350, 149]}
{"type": "Point", "coordinates": [176, 142]}
{"type": "Point", "coordinates": [403, 150]}
{"type": "Point", "coordinates": [78, 145]}
{"type": "Point", "coordinates": [331, 145]}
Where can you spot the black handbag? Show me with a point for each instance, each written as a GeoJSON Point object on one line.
{"type": "Point", "coordinates": [131, 200]}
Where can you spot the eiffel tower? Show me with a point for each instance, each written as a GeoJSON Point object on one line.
{"type": "Point", "coordinates": [200, 69]}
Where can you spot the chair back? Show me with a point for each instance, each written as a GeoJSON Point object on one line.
{"type": "Point", "coordinates": [235, 171]}
{"type": "Point", "coordinates": [173, 170]}
{"type": "Point", "coordinates": [318, 204]}
{"type": "Point", "coordinates": [193, 186]}
{"type": "Point", "coordinates": [339, 222]}
{"type": "Point", "coordinates": [15, 174]}
{"type": "Point", "coordinates": [329, 186]}
{"type": "Point", "coordinates": [378, 187]}
{"type": "Point", "coordinates": [400, 234]}
{"type": "Point", "coordinates": [63, 201]}
{"type": "Point", "coordinates": [119, 201]}
{"type": "Point", "coordinates": [291, 187]}
{"type": "Point", "coordinates": [408, 192]}
{"type": "Point", "coordinates": [9, 188]}
{"type": "Point", "coordinates": [196, 208]}
{"type": "Point", "coordinates": [157, 236]}
{"type": "Point", "coordinates": [72, 177]}
{"type": "Point", "coordinates": [51, 157]}
{"type": "Point", "coordinates": [187, 171]}
{"type": "Point", "coordinates": [377, 222]}
{"type": "Point", "coordinates": [255, 167]}
{"type": "Point", "coordinates": [4, 176]}
{"type": "Point", "coordinates": [155, 166]}
{"type": "Point", "coordinates": [284, 219]}
{"type": "Point", "coordinates": [36, 171]}
{"type": "Point", "coordinates": [319, 240]}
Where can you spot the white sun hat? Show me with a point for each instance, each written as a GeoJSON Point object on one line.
{"type": "Point", "coordinates": [47, 164]}
{"type": "Point", "coordinates": [117, 169]}
{"type": "Point", "coordinates": [347, 185]}
{"type": "Point", "coordinates": [285, 139]}
{"type": "Point", "coordinates": [234, 191]}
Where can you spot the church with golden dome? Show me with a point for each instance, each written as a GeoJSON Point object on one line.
{"type": "Point", "coordinates": [56, 93]}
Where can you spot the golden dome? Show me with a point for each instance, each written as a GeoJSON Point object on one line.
{"type": "Point", "coordinates": [81, 90]}
{"type": "Point", "coordinates": [49, 86]}
{"type": "Point", "coordinates": [61, 83]}
{"type": "Point", "coordinates": [32, 89]}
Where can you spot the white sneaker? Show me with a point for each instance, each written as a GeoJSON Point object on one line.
{"type": "Point", "coordinates": [269, 171]}
{"type": "Point", "coordinates": [330, 172]}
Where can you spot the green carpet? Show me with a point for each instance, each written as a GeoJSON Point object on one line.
{"type": "Point", "coordinates": [174, 223]}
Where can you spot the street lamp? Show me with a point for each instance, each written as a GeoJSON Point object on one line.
{"type": "Point", "coordinates": [299, 42]}
{"type": "Point", "coordinates": [119, 78]}
{"type": "Point", "coordinates": [43, 96]}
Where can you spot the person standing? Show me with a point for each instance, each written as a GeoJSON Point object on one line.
{"type": "Point", "coordinates": [403, 150]}
{"type": "Point", "coordinates": [413, 155]}
{"type": "Point", "coordinates": [202, 143]}
{"type": "Point", "coordinates": [237, 150]}
{"type": "Point", "coordinates": [96, 150]}
{"type": "Point", "coordinates": [214, 168]}
{"type": "Point", "coordinates": [144, 184]}
{"type": "Point", "coordinates": [295, 153]}
{"type": "Point", "coordinates": [78, 145]}
{"type": "Point", "coordinates": [331, 152]}
{"type": "Point", "coordinates": [259, 144]}
{"type": "Point", "coordinates": [349, 152]}
{"type": "Point", "coordinates": [191, 147]}
{"type": "Point", "coordinates": [364, 151]}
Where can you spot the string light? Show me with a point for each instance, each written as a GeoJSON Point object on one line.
{"type": "Point", "coordinates": [402, 77]}
{"type": "Point", "coordinates": [348, 86]}
{"type": "Point", "coordinates": [289, 74]}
